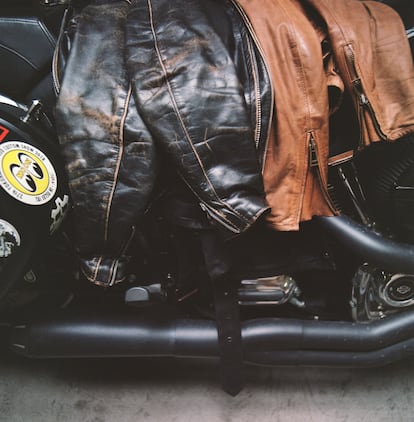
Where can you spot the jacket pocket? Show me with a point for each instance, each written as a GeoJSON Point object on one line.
{"type": "Point", "coordinates": [368, 121]}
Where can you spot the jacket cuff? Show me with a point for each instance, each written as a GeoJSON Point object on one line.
{"type": "Point", "coordinates": [104, 271]}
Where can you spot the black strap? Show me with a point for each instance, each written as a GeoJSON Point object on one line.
{"type": "Point", "coordinates": [219, 261]}
{"type": "Point", "coordinates": [229, 335]}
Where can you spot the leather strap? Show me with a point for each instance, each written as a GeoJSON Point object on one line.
{"type": "Point", "coordinates": [229, 335]}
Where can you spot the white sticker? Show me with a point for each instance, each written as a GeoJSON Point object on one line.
{"type": "Point", "coordinates": [26, 173]}
{"type": "Point", "coordinates": [9, 239]}
{"type": "Point", "coordinates": [58, 213]}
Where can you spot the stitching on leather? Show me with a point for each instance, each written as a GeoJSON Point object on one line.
{"type": "Point", "coordinates": [165, 74]}
{"type": "Point", "coordinates": [177, 111]}
{"type": "Point", "coordinates": [351, 41]}
{"type": "Point", "coordinates": [47, 33]}
{"type": "Point", "coordinates": [255, 40]}
{"type": "Point", "coordinates": [32, 22]}
{"type": "Point", "coordinates": [19, 20]}
{"type": "Point", "coordinates": [11, 50]}
{"type": "Point", "coordinates": [111, 272]}
{"type": "Point", "coordinates": [219, 213]}
{"type": "Point", "coordinates": [94, 278]}
{"type": "Point", "coordinates": [304, 90]}
{"type": "Point", "coordinates": [257, 97]}
{"type": "Point", "coordinates": [95, 272]}
{"type": "Point", "coordinates": [118, 163]}
{"type": "Point", "coordinates": [55, 71]}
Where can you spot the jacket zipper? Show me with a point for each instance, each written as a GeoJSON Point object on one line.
{"type": "Point", "coordinates": [217, 217]}
{"type": "Point", "coordinates": [253, 35]}
{"type": "Point", "coordinates": [258, 99]}
{"type": "Point", "coordinates": [211, 212]}
{"type": "Point", "coordinates": [314, 165]}
{"type": "Point", "coordinates": [365, 107]}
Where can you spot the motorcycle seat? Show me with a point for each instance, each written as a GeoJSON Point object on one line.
{"type": "Point", "coordinates": [26, 51]}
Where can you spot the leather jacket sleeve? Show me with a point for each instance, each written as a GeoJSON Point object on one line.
{"type": "Point", "coordinates": [108, 149]}
{"type": "Point", "coordinates": [189, 93]}
{"type": "Point", "coordinates": [186, 75]}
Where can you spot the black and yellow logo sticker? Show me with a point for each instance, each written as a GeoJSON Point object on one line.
{"type": "Point", "coordinates": [26, 173]}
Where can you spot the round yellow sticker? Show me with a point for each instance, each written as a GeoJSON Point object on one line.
{"type": "Point", "coordinates": [26, 173]}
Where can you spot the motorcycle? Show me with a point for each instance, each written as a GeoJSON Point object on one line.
{"type": "Point", "coordinates": [338, 292]}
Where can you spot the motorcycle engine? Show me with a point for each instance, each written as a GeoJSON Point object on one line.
{"type": "Point", "coordinates": [385, 201]}
{"type": "Point", "coordinates": [388, 176]}
{"type": "Point", "coordinates": [377, 294]}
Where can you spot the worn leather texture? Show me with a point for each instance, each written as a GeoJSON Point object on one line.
{"type": "Point", "coordinates": [293, 52]}
{"type": "Point", "coordinates": [109, 152]}
{"type": "Point", "coordinates": [238, 99]}
{"type": "Point", "coordinates": [200, 94]}
{"type": "Point", "coordinates": [374, 35]}
{"type": "Point", "coordinates": [193, 100]}
{"type": "Point", "coordinates": [291, 35]}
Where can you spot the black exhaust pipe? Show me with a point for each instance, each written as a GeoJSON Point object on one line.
{"type": "Point", "coordinates": [370, 246]}
{"type": "Point", "coordinates": [380, 357]}
{"type": "Point", "coordinates": [269, 341]}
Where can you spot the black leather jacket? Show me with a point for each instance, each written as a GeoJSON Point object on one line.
{"type": "Point", "coordinates": [198, 86]}
{"type": "Point", "coordinates": [108, 150]}
{"type": "Point", "coordinates": [200, 92]}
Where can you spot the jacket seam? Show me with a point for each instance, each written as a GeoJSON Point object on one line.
{"type": "Point", "coordinates": [95, 272]}
{"type": "Point", "coordinates": [259, 48]}
{"type": "Point", "coordinates": [304, 90]}
{"type": "Point", "coordinates": [118, 164]}
{"type": "Point", "coordinates": [111, 272]}
{"type": "Point", "coordinates": [257, 131]}
{"type": "Point", "coordinates": [218, 212]}
{"type": "Point", "coordinates": [177, 111]}
{"type": "Point", "coordinates": [351, 41]}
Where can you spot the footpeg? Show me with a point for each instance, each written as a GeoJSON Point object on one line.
{"type": "Point", "coordinates": [141, 295]}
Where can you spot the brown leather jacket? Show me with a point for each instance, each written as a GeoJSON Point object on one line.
{"type": "Point", "coordinates": [371, 54]}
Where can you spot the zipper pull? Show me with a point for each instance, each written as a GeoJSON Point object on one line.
{"type": "Point", "coordinates": [365, 106]}
{"type": "Point", "coordinates": [363, 100]}
{"type": "Point", "coordinates": [313, 156]}
{"type": "Point", "coordinates": [314, 164]}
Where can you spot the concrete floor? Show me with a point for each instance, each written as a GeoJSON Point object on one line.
{"type": "Point", "coordinates": [176, 390]}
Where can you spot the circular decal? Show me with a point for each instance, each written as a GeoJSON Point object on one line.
{"type": "Point", "coordinates": [9, 239]}
{"type": "Point", "coordinates": [26, 173]}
